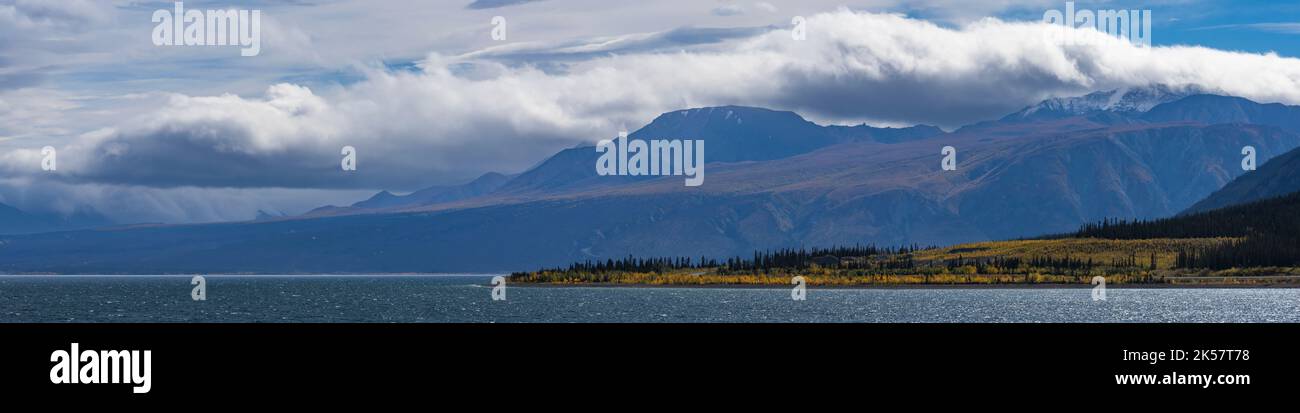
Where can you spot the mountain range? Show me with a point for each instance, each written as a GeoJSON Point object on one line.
{"type": "Point", "coordinates": [774, 180]}
{"type": "Point", "coordinates": [15, 221]}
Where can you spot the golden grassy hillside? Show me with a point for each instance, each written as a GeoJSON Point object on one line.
{"type": "Point", "coordinates": [951, 266]}
{"type": "Point", "coordinates": [1099, 250]}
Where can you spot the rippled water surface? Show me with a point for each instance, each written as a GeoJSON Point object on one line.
{"type": "Point", "coordinates": [469, 299]}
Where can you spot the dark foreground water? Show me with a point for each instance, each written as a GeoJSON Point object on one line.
{"type": "Point", "coordinates": [469, 299]}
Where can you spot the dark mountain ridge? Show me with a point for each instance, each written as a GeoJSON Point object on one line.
{"type": "Point", "coordinates": [482, 185]}
{"type": "Point", "coordinates": [1279, 176]}
{"type": "Point", "coordinates": [774, 180]}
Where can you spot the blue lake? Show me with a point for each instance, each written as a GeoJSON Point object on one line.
{"type": "Point", "coordinates": [468, 298]}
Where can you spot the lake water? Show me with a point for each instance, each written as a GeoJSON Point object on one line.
{"type": "Point", "coordinates": [469, 299]}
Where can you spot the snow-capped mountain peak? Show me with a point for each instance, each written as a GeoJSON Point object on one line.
{"type": "Point", "coordinates": [1123, 100]}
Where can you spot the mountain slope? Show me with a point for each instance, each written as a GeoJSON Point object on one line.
{"type": "Point", "coordinates": [1264, 235]}
{"type": "Point", "coordinates": [732, 134]}
{"type": "Point", "coordinates": [1135, 172]}
{"type": "Point", "coordinates": [739, 133]}
{"type": "Point", "coordinates": [1277, 177]}
{"type": "Point", "coordinates": [436, 194]}
{"type": "Point", "coordinates": [1214, 109]}
{"type": "Point", "coordinates": [1157, 104]}
{"type": "Point", "coordinates": [15, 221]}
{"type": "Point", "coordinates": [832, 185]}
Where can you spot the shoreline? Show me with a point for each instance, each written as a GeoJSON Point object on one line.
{"type": "Point", "coordinates": [907, 286]}
{"type": "Point", "coordinates": [1008, 286]}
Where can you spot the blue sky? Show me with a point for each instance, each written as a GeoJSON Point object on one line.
{"type": "Point", "coordinates": [1251, 25]}
{"type": "Point", "coordinates": [1246, 25]}
{"type": "Point", "coordinates": [186, 134]}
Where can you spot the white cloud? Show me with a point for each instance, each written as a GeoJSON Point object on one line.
{"type": "Point", "coordinates": [728, 10]}
{"type": "Point", "coordinates": [434, 126]}
{"type": "Point", "coordinates": [32, 113]}
{"type": "Point", "coordinates": [136, 204]}
{"type": "Point", "coordinates": [1285, 28]}
{"type": "Point", "coordinates": [418, 128]}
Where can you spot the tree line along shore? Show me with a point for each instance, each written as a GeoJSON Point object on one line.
{"type": "Point", "coordinates": [1251, 244]}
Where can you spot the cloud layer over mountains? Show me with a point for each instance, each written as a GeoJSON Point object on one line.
{"type": "Point", "coordinates": [455, 117]}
